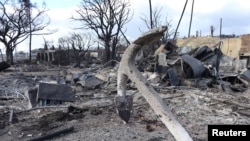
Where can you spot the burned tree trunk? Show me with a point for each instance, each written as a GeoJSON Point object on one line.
{"type": "Point", "coordinates": [9, 55]}
{"type": "Point", "coordinates": [127, 70]}
{"type": "Point", "coordinates": [107, 51]}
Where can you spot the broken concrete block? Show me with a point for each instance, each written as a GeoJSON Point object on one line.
{"type": "Point", "coordinates": [162, 61]}
{"type": "Point", "coordinates": [89, 81]}
{"type": "Point", "coordinates": [101, 76]}
{"type": "Point", "coordinates": [55, 92]}
{"type": "Point", "coordinates": [31, 94]}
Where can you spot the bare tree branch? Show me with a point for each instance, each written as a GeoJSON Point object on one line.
{"type": "Point", "coordinates": [156, 22]}
{"type": "Point", "coordinates": [106, 18]}
{"type": "Point", "coordinates": [16, 24]}
{"type": "Point", "coordinates": [80, 43]}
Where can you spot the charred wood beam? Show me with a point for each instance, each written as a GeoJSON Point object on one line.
{"type": "Point", "coordinates": [54, 134]}
{"type": "Point", "coordinates": [127, 70]}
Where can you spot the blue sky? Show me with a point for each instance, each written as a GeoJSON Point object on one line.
{"type": "Point", "coordinates": [235, 15]}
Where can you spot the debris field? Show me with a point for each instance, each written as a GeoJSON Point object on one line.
{"type": "Point", "coordinates": [200, 86]}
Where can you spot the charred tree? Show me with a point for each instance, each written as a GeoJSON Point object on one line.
{"type": "Point", "coordinates": [106, 18]}
{"type": "Point", "coordinates": [16, 24]}
{"type": "Point", "coordinates": [80, 44]}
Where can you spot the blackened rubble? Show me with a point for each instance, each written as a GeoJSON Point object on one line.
{"type": "Point", "coordinates": [197, 85]}
{"type": "Point", "coordinates": [4, 65]}
{"type": "Point", "coordinates": [202, 65]}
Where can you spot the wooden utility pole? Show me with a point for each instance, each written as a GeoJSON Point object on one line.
{"type": "Point", "coordinates": [180, 20]}
{"type": "Point", "coordinates": [27, 4]}
{"type": "Point", "coordinates": [112, 10]}
{"type": "Point", "coordinates": [191, 19]}
{"type": "Point", "coordinates": [151, 17]}
{"type": "Point", "coordinates": [220, 26]}
{"type": "Point", "coordinates": [30, 39]}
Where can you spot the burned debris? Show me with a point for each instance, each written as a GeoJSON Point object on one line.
{"type": "Point", "coordinates": [127, 70]}
{"type": "Point", "coordinates": [181, 86]}
{"type": "Point", "coordinates": [202, 67]}
{"type": "Point", "coordinates": [49, 94]}
{"type": "Point", "coordinates": [4, 65]}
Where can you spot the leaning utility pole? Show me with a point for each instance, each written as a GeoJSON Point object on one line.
{"type": "Point", "coordinates": [191, 19]}
{"type": "Point", "coordinates": [112, 10]}
{"type": "Point", "coordinates": [180, 20]}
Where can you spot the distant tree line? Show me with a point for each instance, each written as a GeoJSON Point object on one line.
{"type": "Point", "coordinates": [21, 19]}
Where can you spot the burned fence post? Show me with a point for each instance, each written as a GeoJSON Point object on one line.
{"type": "Point", "coordinates": [127, 70]}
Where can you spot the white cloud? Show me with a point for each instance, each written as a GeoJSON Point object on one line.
{"type": "Point", "coordinates": [61, 13]}
{"type": "Point", "coordinates": [206, 13]}
{"type": "Point", "coordinates": [60, 21]}
{"type": "Point", "coordinates": [235, 15]}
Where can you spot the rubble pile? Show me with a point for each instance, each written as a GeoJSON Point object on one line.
{"type": "Point", "coordinates": [92, 105]}
{"type": "Point", "coordinates": [200, 86]}
{"type": "Point", "coordinates": [203, 67]}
